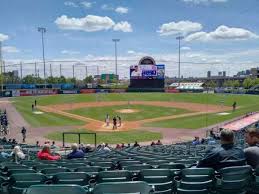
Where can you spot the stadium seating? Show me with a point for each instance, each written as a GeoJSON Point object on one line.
{"type": "Point", "coordinates": [163, 169]}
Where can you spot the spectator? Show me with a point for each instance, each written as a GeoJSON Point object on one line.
{"type": "Point", "coordinates": [88, 148]}
{"type": "Point", "coordinates": [128, 145]}
{"type": "Point", "coordinates": [224, 156]}
{"type": "Point", "coordinates": [106, 148]}
{"type": "Point", "coordinates": [252, 152]}
{"type": "Point", "coordinates": [118, 147]}
{"type": "Point", "coordinates": [196, 141]}
{"type": "Point", "coordinates": [3, 155]}
{"type": "Point", "coordinates": [122, 145]}
{"type": "Point", "coordinates": [54, 146]}
{"type": "Point", "coordinates": [14, 142]}
{"type": "Point", "coordinates": [23, 134]}
{"type": "Point", "coordinates": [17, 153]}
{"type": "Point", "coordinates": [152, 143]}
{"type": "Point", "coordinates": [4, 140]}
{"type": "Point", "coordinates": [9, 141]}
{"type": "Point", "coordinates": [37, 144]}
{"type": "Point", "coordinates": [76, 153]}
{"type": "Point", "coordinates": [159, 142]}
{"type": "Point", "coordinates": [45, 154]}
{"type": "Point", "coordinates": [136, 144]}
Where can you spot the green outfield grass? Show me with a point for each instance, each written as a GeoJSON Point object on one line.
{"type": "Point", "coordinates": [247, 103]}
{"type": "Point", "coordinates": [46, 119]}
{"type": "Point", "coordinates": [107, 137]}
{"type": "Point", "coordinates": [227, 99]}
{"type": "Point", "coordinates": [196, 122]}
{"type": "Point", "coordinates": [146, 112]}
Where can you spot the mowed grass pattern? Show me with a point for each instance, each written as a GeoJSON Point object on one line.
{"type": "Point", "coordinates": [145, 112]}
{"type": "Point", "coordinates": [196, 122]}
{"type": "Point", "coordinates": [45, 119]}
{"type": "Point", "coordinates": [247, 103]}
{"type": "Point", "coordinates": [108, 137]}
{"type": "Point", "coordinates": [217, 99]}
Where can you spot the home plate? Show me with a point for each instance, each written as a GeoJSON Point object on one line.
{"type": "Point", "coordinates": [38, 112]}
{"type": "Point", "coordinates": [223, 113]}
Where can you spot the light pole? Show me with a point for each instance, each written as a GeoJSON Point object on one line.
{"type": "Point", "coordinates": [116, 61]}
{"type": "Point", "coordinates": [179, 38]}
{"type": "Point", "coordinates": [1, 63]}
{"type": "Point", "coordinates": [43, 31]}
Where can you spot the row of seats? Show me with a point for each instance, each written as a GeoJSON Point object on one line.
{"type": "Point", "coordinates": [228, 180]}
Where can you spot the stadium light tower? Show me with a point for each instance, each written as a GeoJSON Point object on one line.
{"type": "Point", "coordinates": [179, 38]}
{"type": "Point", "coordinates": [43, 31]}
{"type": "Point", "coordinates": [116, 61]}
{"type": "Point", "coordinates": [1, 63]}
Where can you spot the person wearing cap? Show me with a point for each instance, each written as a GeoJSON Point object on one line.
{"type": "Point", "coordinates": [224, 156]}
{"type": "Point", "coordinates": [76, 153]}
{"type": "Point", "coordinates": [252, 152]}
{"type": "Point", "coordinates": [45, 154]}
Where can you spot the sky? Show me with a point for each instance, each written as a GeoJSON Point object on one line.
{"type": "Point", "coordinates": [219, 35]}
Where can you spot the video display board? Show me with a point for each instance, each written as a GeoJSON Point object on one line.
{"type": "Point", "coordinates": [147, 72]}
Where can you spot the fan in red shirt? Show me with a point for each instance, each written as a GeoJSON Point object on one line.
{"type": "Point", "coordinates": [45, 154]}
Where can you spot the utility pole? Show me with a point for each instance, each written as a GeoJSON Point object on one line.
{"type": "Point", "coordinates": [50, 69]}
{"type": "Point", "coordinates": [43, 31]}
{"type": "Point", "coordinates": [116, 55]}
{"type": "Point", "coordinates": [4, 66]}
{"type": "Point", "coordinates": [73, 71]}
{"type": "Point", "coordinates": [35, 69]}
{"type": "Point", "coordinates": [60, 70]}
{"type": "Point", "coordinates": [1, 63]}
{"type": "Point", "coordinates": [179, 38]}
{"type": "Point", "coordinates": [86, 73]}
{"type": "Point", "coordinates": [21, 69]}
{"type": "Point", "coordinates": [97, 70]}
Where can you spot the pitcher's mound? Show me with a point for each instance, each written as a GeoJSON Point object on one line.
{"type": "Point", "coordinates": [127, 111]}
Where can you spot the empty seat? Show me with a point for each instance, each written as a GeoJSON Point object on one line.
{"type": "Point", "coordinates": [113, 176]}
{"type": "Point", "coordinates": [78, 178]}
{"type": "Point", "coordinates": [40, 167]}
{"type": "Point", "coordinates": [91, 170]}
{"type": "Point", "coordinates": [20, 171]}
{"type": "Point", "coordinates": [55, 189]}
{"type": "Point", "coordinates": [18, 182]}
{"type": "Point", "coordinates": [183, 191]}
{"type": "Point", "coordinates": [160, 179]}
{"type": "Point", "coordinates": [136, 168]}
{"type": "Point", "coordinates": [122, 187]}
{"type": "Point", "coordinates": [73, 166]}
{"type": "Point", "coordinates": [51, 171]}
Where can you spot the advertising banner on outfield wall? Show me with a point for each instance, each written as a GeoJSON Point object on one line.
{"type": "Point", "coordinates": [69, 92]}
{"type": "Point", "coordinates": [26, 92]}
{"type": "Point", "coordinates": [87, 91]}
{"type": "Point", "coordinates": [15, 93]}
{"type": "Point", "coordinates": [46, 92]}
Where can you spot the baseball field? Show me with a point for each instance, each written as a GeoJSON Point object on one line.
{"type": "Point", "coordinates": [145, 116]}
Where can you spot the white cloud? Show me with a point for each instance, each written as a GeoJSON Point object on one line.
{"type": "Point", "coordinates": [10, 49]}
{"type": "Point", "coordinates": [86, 4]}
{"type": "Point", "coordinates": [185, 48]}
{"type": "Point", "coordinates": [123, 26]}
{"type": "Point", "coordinates": [182, 27]}
{"type": "Point", "coordinates": [70, 3]}
{"type": "Point", "coordinates": [70, 52]}
{"type": "Point", "coordinates": [107, 7]}
{"type": "Point", "coordinates": [122, 10]}
{"type": "Point", "coordinates": [131, 52]}
{"type": "Point", "coordinates": [204, 1]}
{"type": "Point", "coordinates": [92, 23]}
{"type": "Point", "coordinates": [3, 37]}
{"type": "Point", "coordinates": [222, 33]}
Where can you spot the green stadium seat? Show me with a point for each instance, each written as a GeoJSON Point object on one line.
{"type": "Point", "coordinates": [20, 171]}
{"type": "Point", "coordinates": [91, 170]}
{"type": "Point", "coordinates": [40, 167]}
{"type": "Point", "coordinates": [73, 166]}
{"type": "Point", "coordinates": [122, 188]}
{"type": "Point", "coordinates": [183, 191]}
{"type": "Point", "coordinates": [160, 179]}
{"type": "Point", "coordinates": [78, 178]}
{"type": "Point", "coordinates": [104, 165]}
{"type": "Point", "coordinates": [18, 182]}
{"type": "Point", "coordinates": [136, 168]}
{"type": "Point", "coordinates": [49, 172]}
{"type": "Point", "coordinates": [197, 174]}
{"type": "Point", "coordinates": [235, 179]}
{"type": "Point", "coordinates": [113, 176]}
{"type": "Point", "coordinates": [55, 189]}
